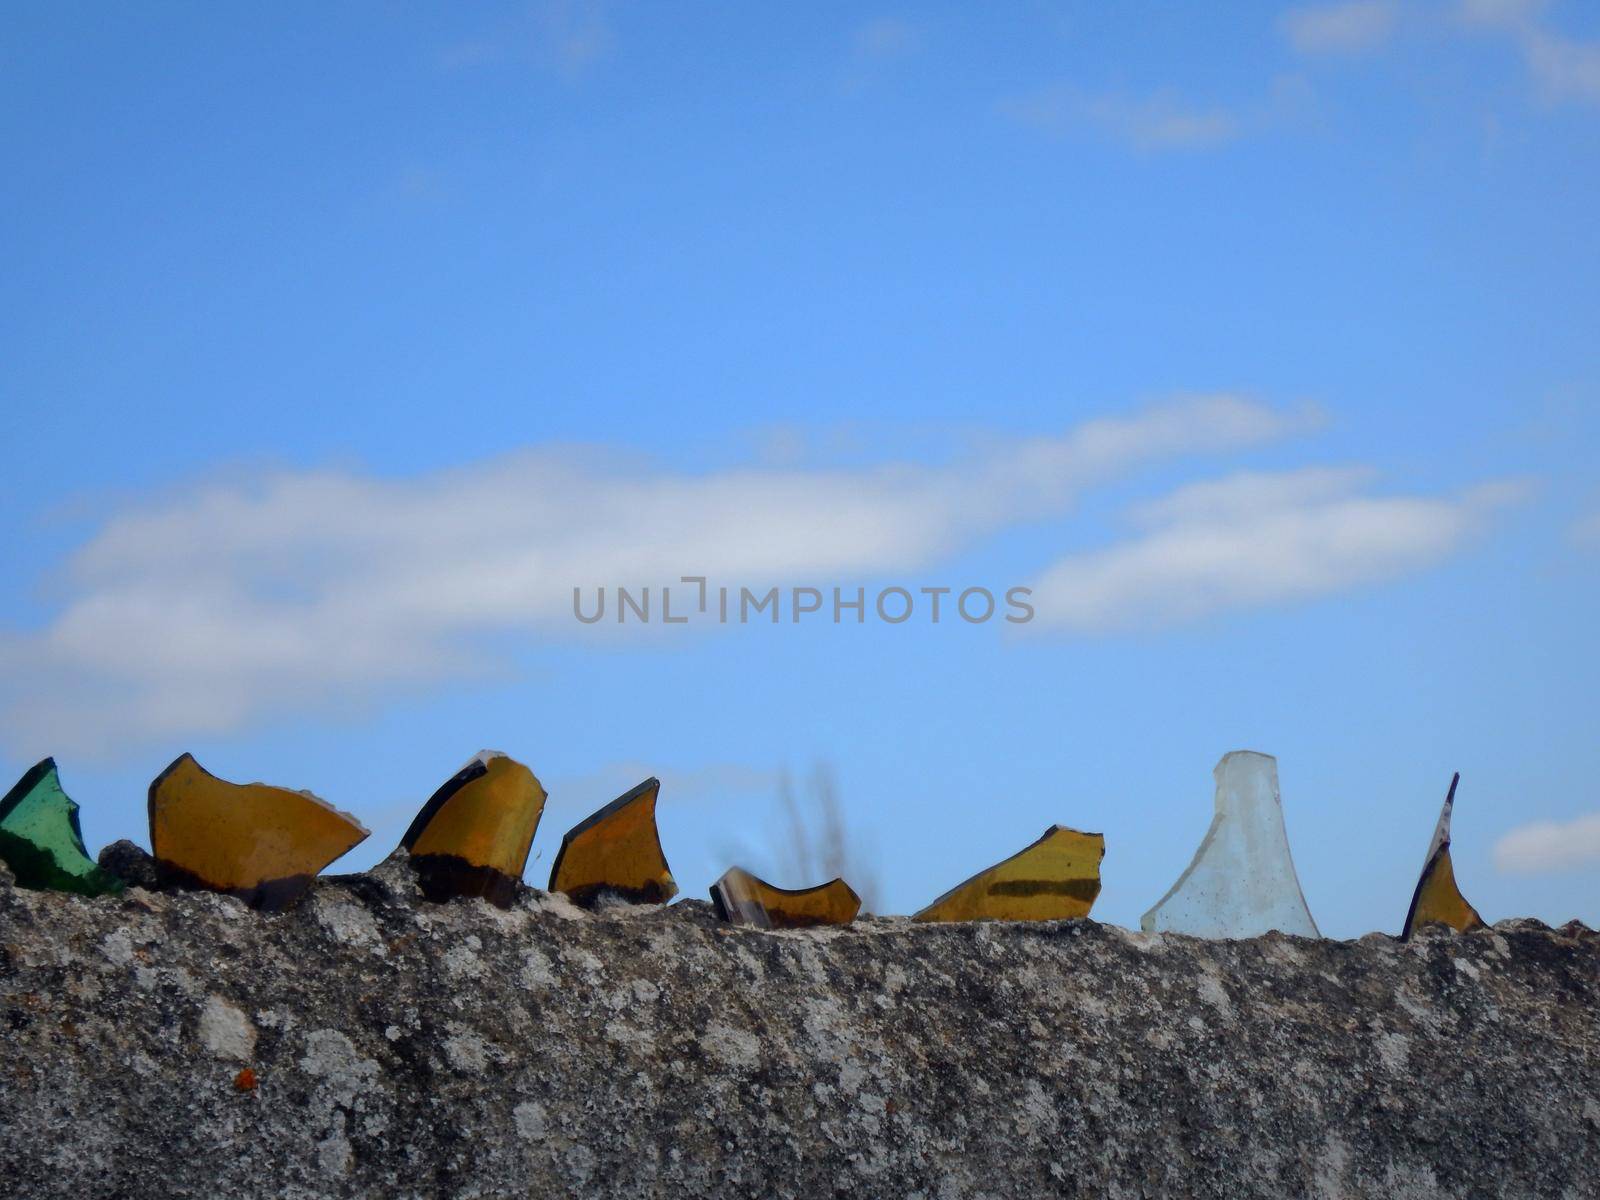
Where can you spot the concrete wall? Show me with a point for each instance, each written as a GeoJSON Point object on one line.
{"type": "Point", "coordinates": [402, 1049]}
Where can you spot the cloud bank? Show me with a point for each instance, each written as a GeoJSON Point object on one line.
{"type": "Point", "coordinates": [223, 604]}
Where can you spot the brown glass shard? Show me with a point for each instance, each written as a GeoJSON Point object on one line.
{"type": "Point", "coordinates": [1056, 878]}
{"type": "Point", "coordinates": [616, 850]}
{"type": "Point", "coordinates": [1437, 898]}
{"type": "Point", "coordinates": [743, 899]}
{"type": "Point", "coordinates": [473, 835]}
{"type": "Point", "coordinates": [263, 844]}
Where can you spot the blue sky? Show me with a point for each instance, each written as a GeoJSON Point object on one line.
{"type": "Point", "coordinates": [338, 346]}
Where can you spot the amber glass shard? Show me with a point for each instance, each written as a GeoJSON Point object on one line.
{"type": "Point", "coordinates": [1242, 882]}
{"type": "Point", "coordinates": [743, 899]}
{"type": "Point", "coordinates": [616, 850]}
{"type": "Point", "coordinates": [1055, 878]}
{"type": "Point", "coordinates": [263, 844]}
{"type": "Point", "coordinates": [472, 837]}
{"type": "Point", "coordinates": [1437, 899]}
{"type": "Point", "coordinates": [41, 842]}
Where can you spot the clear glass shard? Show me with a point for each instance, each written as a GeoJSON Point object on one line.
{"type": "Point", "coordinates": [40, 839]}
{"type": "Point", "coordinates": [261, 843]}
{"type": "Point", "coordinates": [616, 850]}
{"type": "Point", "coordinates": [744, 899]}
{"type": "Point", "coordinates": [1437, 898]}
{"type": "Point", "coordinates": [1056, 878]}
{"type": "Point", "coordinates": [1242, 882]}
{"type": "Point", "coordinates": [473, 835]}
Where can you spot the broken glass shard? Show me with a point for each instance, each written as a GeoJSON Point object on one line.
{"type": "Point", "coordinates": [1437, 899]}
{"type": "Point", "coordinates": [1056, 878]}
{"type": "Point", "coordinates": [40, 839]}
{"type": "Point", "coordinates": [473, 835]}
{"type": "Point", "coordinates": [616, 850]}
{"type": "Point", "coordinates": [1242, 881]}
{"type": "Point", "coordinates": [743, 899]}
{"type": "Point", "coordinates": [261, 843]}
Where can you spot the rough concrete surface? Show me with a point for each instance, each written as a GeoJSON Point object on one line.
{"type": "Point", "coordinates": [407, 1049]}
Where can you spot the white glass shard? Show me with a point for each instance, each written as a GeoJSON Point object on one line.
{"type": "Point", "coordinates": [1441, 831]}
{"type": "Point", "coordinates": [1242, 881]}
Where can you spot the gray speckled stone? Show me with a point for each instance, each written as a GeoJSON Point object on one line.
{"type": "Point", "coordinates": [405, 1049]}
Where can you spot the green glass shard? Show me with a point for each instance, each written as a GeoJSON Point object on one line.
{"type": "Point", "coordinates": [40, 839]}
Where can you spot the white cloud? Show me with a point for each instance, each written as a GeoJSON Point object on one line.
{"type": "Point", "coordinates": [1250, 493]}
{"type": "Point", "coordinates": [1161, 121]}
{"type": "Point", "coordinates": [1564, 68]}
{"type": "Point", "coordinates": [568, 35]}
{"type": "Point", "coordinates": [877, 46]}
{"type": "Point", "coordinates": [885, 37]}
{"type": "Point", "coordinates": [1256, 539]}
{"type": "Point", "coordinates": [1500, 12]}
{"type": "Point", "coordinates": [575, 32]}
{"type": "Point", "coordinates": [224, 603]}
{"type": "Point", "coordinates": [1342, 28]}
{"type": "Point", "coordinates": [1585, 531]}
{"type": "Point", "coordinates": [1548, 846]}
